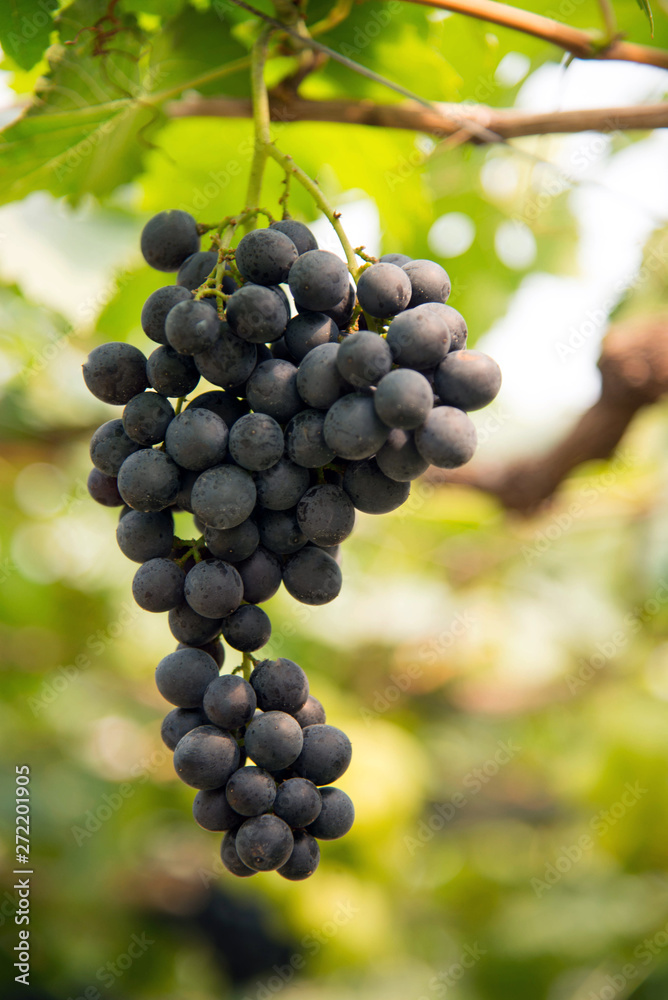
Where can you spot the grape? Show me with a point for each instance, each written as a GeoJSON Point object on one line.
{"type": "Point", "coordinates": [264, 843]}
{"type": "Point", "coordinates": [148, 480]}
{"type": "Point", "coordinates": [142, 536]}
{"type": "Point", "coordinates": [353, 428]}
{"type": "Point", "coordinates": [261, 574]}
{"type": "Point", "coordinates": [280, 352]}
{"type": "Point", "coordinates": [256, 442]}
{"type": "Point", "coordinates": [212, 811]}
{"type": "Point", "coordinates": [168, 238]}
{"type": "Point", "coordinates": [318, 280]}
{"type": "Point", "coordinates": [233, 544]}
{"type": "Point", "coordinates": [110, 446]}
{"type": "Point", "coordinates": [251, 791]}
{"type": "Point", "coordinates": [468, 380]}
{"type": "Point", "coordinates": [447, 439]}
{"type": "Point", "coordinates": [429, 282]}
{"type": "Point", "coordinates": [257, 314]}
{"type": "Point", "coordinates": [192, 629]}
{"type": "Point", "coordinates": [312, 576]}
{"type": "Point", "coordinates": [183, 676]}
{"type": "Point", "coordinates": [156, 307]}
{"type": "Point", "coordinates": [104, 489]}
{"type": "Point", "coordinates": [196, 269]}
{"type": "Point", "coordinates": [419, 338]}
{"type": "Point", "coordinates": [224, 404]}
{"type": "Point", "coordinates": [305, 443]}
{"type": "Point", "coordinates": [344, 309]}
{"type": "Point", "coordinates": [336, 816]}
{"type": "Point", "coordinates": [319, 381]}
{"type": "Point", "coordinates": [224, 496]}
{"type": "Point", "coordinates": [301, 235]}
{"type": "Point", "coordinates": [229, 701]}
{"type": "Point", "coordinates": [192, 327]}
{"type": "Point", "coordinates": [371, 490]}
{"type": "Point", "coordinates": [280, 532]}
{"type": "Point", "coordinates": [272, 389]}
{"type": "Point", "coordinates": [247, 629]}
{"type": "Point", "coordinates": [146, 418]}
{"type": "Point", "coordinates": [265, 256]}
{"type": "Point", "coordinates": [297, 802]}
{"type": "Point", "coordinates": [326, 514]}
{"type": "Point", "coordinates": [364, 358]}
{"type": "Point", "coordinates": [456, 324]}
{"type": "Point", "coordinates": [281, 486]}
{"type": "Point", "coordinates": [325, 754]}
{"type": "Point", "coordinates": [384, 289]}
{"type": "Point", "coordinates": [304, 859]}
{"type": "Point", "coordinates": [309, 330]}
{"type": "Point", "coordinates": [214, 649]}
{"type": "Point", "coordinates": [115, 373]}
{"type": "Point", "coordinates": [399, 458]}
{"type": "Point", "coordinates": [206, 757]}
{"type": "Point", "coordinates": [158, 585]}
{"type": "Point", "coordinates": [213, 588]}
{"type": "Point", "coordinates": [310, 713]}
{"type": "Point", "coordinates": [180, 721]}
{"type": "Point", "coordinates": [184, 496]}
{"type": "Point", "coordinates": [273, 740]}
{"type": "Point", "coordinates": [171, 374]}
{"type": "Point", "coordinates": [403, 399]}
{"type": "Point", "coordinates": [197, 439]}
{"type": "Point", "coordinates": [231, 859]}
{"type": "Point", "coordinates": [229, 362]}
{"type": "Point", "coordinates": [395, 258]}
{"type": "Point", "coordinates": [280, 685]}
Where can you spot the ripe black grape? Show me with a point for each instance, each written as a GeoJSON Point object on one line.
{"type": "Point", "coordinates": [158, 585]}
{"type": "Point", "coordinates": [110, 446]}
{"type": "Point", "coordinates": [251, 791]}
{"type": "Point", "coordinates": [395, 258]}
{"type": "Point", "coordinates": [170, 373]}
{"type": "Point", "coordinates": [229, 701]}
{"type": "Point", "coordinates": [312, 576]}
{"type": "Point", "coordinates": [326, 514]}
{"type": "Point", "coordinates": [363, 359]}
{"type": "Point", "coordinates": [192, 629]}
{"type": "Point", "coordinates": [213, 588]}
{"type": "Point", "coordinates": [336, 816]}
{"type": "Point", "coordinates": [371, 490]}
{"type": "Point", "coordinates": [224, 496]}
{"type": "Point", "coordinates": [256, 442]}
{"type": "Point", "coordinates": [429, 282]}
{"type": "Point", "coordinates": [157, 306]}
{"type": "Point", "coordinates": [280, 531]}
{"type": "Point", "coordinates": [212, 811]}
{"type": "Point", "coordinates": [282, 486]}
{"type": "Point", "coordinates": [247, 629]}
{"type": "Point", "coordinates": [455, 323]}
{"type": "Point", "coordinates": [344, 309]}
{"type": "Point", "coordinates": [230, 858]}
{"type": "Point", "coordinates": [261, 574]}
{"type": "Point", "coordinates": [229, 362]}
{"type": "Point", "coordinates": [148, 480]}
{"type": "Point", "coordinates": [319, 381]}
{"type": "Point", "coordinates": [233, 544]}
{"type": "Point", "coordinates": [353, 429]}
{"type": "Point", "coordinates": [197, 439]}
{"type": "Point", "coordinates": [273, 740]}
{"type": "Point", "coordinates": [310, 713]}
{"type": "Point", "coordinates": [104, 489]}
{"type": "Point", "coordinates": [447, 439]}
{"type": "Point", "coordinates": [168, 238]}
{"type": "Point", "coordinates": [272, 389]}
{"type": "Point", "coordinates": [308, 330]}
{"type": "Point", "coordinates": [195, 269]}
{"type": "Point", "coordinates": [192, 327]}
{"type": "Point", "coordinates": [257, 313]}
{"type": "Point", "coordinates": [325, 754]}
{"type": "Point", "coordinates": [265, 256]}
{"type": "Point", "coordinates": [403, 399]}
{"type": "Point", "coordinates": [280, 685]}
{"type": "Point", "coordinates": [145, 535]}
{"type": "Point", "coordinates": [419, 338]}
{"type": "Point", "coordinates": [298, 802]}
{"type": "Point", "coordinates": [318, 280]}
{"type": "Point", "coordinates": [264, 843]}
{"type": "Point", "coordinates": [384, 289]}
{"type": "Point", "coordinates": [115, 372]}
{"type": "Point", "coordinates": [305, 443]}
{"type": "Point", "coordinates": [183, 676]}
{"type": "Point", "coordinates": [146, 418]}
{"type": "Point", "coordinates": [303, 860]}
{"type": "Point", "coordinates": [468, 380]}
{"type": "Point", "coordinates": [399, 459]}
{"type": "Point", "coordinates": [224, 404]}
{"type": "Point", "coordinates": [180, 721]}
{"type": "Point", "coordinates": [206, 757]}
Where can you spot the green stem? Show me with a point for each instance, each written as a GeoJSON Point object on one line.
{"type": "Point", "coordinates": [310, 185]}
{"type": "Point", "coordinates": [261, 122]}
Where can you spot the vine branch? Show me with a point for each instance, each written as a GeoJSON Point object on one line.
{"type": "Point", "coordinates": [582, 44]}
{"type": "Point", "coordinates": [445, 120]}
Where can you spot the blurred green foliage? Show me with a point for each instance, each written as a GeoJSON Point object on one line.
{"type": "Point", "coordinates": [504, 680]}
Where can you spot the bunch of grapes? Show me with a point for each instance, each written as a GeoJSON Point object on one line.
{"type": "Point", "coordinates": [317, 414]}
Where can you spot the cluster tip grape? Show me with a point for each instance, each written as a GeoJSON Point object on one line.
{"type": "Point", "coordinates": [320, 409]}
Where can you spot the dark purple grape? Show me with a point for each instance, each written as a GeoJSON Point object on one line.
{"type": "Point", "coordinates": [168, 238]}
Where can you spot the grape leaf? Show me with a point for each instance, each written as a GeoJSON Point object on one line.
{"type": "Point", "coordinates": [25, 26]}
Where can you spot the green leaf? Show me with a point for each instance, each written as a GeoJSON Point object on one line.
{"type": "Point", "coordinates": [25, 27]}
{"type": "Point", "coordinates": [645, 6]}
